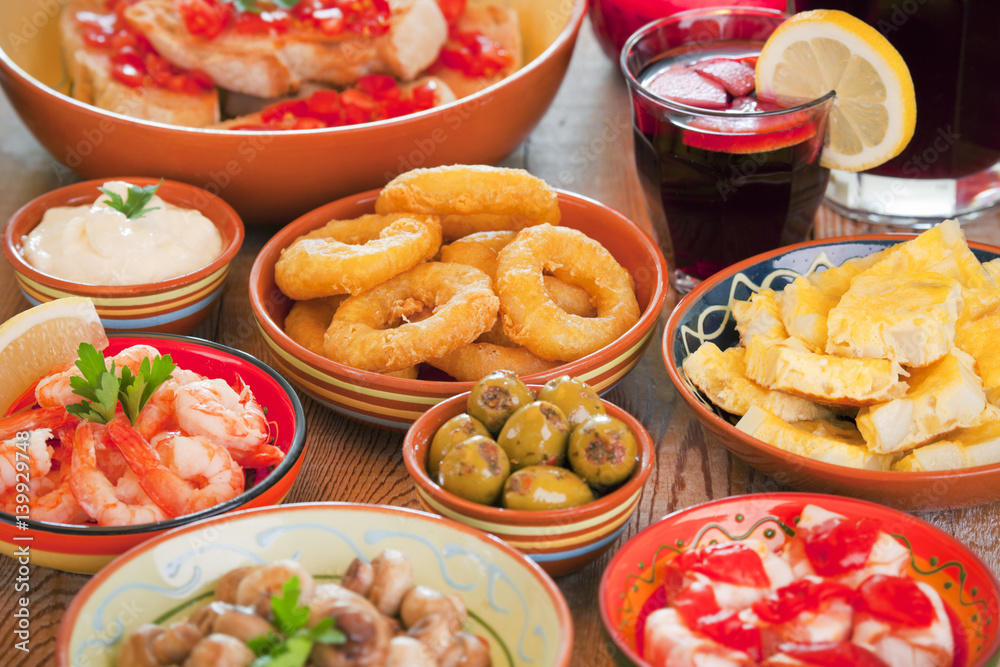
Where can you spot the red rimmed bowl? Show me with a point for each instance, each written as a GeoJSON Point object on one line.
{"type": "Point", "coordinates": [630, 587]}
{"type": "Point", "coordinates": [395, 403]}
{"type": "Point", "coordinates": [511, 602]}
{"type": "Point", "coordinates": [86, 549]}
{"type": "Point", "coordinates": [272, 177]}
{"type": "Point", "coordinates": [705, 315]}
{"type": "Point", "coordinates": [561, 541]}
{"type": "Point", "coordinates": [177, 305]}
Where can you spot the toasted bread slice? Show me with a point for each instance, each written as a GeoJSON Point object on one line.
{"type": "Point", "coordinates": [722, 377]}
{"type": "Point", "coordinates": [760, 316]}
{"type": "Point", "coordinates": [790, 367]}
{"type": "Point", "coordinates": [92, 83]}
{"type": "Point", "coordinates": [977, 445]}
{"type": "Point", "coordinates": [273, 66]}
{"type": "Point", "coordinates": [941, 398]}
{"type": "Point", "coordinates": [908, 318]}
{"type": "Point", "coordinates": [978, 333]}
{"type": "Point", "coordinates": [500, 24]}
{"type": "Point", "coordinates": [817, 441]}
{"type": "Point", "coordinates": [941, 249]}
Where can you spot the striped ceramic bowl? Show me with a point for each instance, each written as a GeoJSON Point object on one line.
{"type": "Point", "coordinates": [177, 305]}
{"type": "Point", "coordinates": [560, 541]}
{"type": "Point", "coordinates": [395, 403]}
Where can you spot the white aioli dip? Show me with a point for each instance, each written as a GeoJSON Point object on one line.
{"type": "Point", "coordinates": [98, 245]}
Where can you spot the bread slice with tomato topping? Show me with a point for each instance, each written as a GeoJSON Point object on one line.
{"type": "Point", "coordinates": [272, 63]}
{"type": "Point", "coordinates": [118, 77]}
{"type": "Point", "coordinates": [483, 47]}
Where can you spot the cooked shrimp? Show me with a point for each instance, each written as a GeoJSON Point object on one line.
{"type": "Point", "coordinates": [235, 420]}
{"type": "Point", "coordinates": [181, 474]}
{"type": "Point", "coordinates": [58, 504]}
{"type": "Point", "coordinates": [43, 418]}
{"type": "Point", "coordinates": [36, 454]}
{"type": "Point", "coordinates": [54, 390]}
{"type": "Point", "coordinates": [95, 492]}
{"type": "Point", "coordinates": [159, 414]}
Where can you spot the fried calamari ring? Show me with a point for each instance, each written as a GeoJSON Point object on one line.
{"type": "Point", "coordinates": [307, 322]}
{"type": "Point", "coordinates": [481, 251]}
{"type": "Point", "coordinates": [462, 305]}
{"type": "Point", "coordinates": [533, 320]}
{"type": "Point", "coordinates": [472, 198]}
{"type": "Point", "coordinates": [472, 362]}
{"type": "Point", "coordinates": [323, 264]}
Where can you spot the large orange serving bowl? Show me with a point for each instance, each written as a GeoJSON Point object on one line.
{"type": "Point", "coordinates": [393, 402]}
{"type": "Point", "coordinates": [88, 548]}
{"type": "Point", "coordinates": [273, 177]}
{"type": "Point", "coordinates": [176, 305]}
{"type": "Point", "coordinates": [705, 315]}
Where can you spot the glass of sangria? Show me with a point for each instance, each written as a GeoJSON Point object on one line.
{"type": "Point", "coordinates": [951, 167]}
{"type": "Point", "coordinates": [726, 175]}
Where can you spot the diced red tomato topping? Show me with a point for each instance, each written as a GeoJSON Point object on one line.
{"type": "Point", "coordinates": [209, 18]}
{"type": "Point", "coordinates": [832, 654]}
{"type": "Point", "coordinates": [803, 595]}
{"type": "Point", "coordinates": [205, 18]}
{"type": "Point", "coordinates": [896, 600]}
{"type": "Point", "coordinates": [264, 23]}
{"type": "Point", "coordinates": [838, 546]}
{"type": "Point", "coordinates": [733, 563]}
{"type": "Point", "coordinates": [474, 54]}
{"type": "Point", "coordinates": [451, 9]}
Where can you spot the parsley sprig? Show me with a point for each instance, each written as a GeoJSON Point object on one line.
{"type": "Point", "coordinates": [291, 647]}
{"type": "Point", "coordinates": [135, 202]}
{"type": "Point", "coordinates": [102, 389]}
{"type": "Point", "coordinates": [251, 5]}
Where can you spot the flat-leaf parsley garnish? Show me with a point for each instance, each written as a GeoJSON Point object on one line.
{"type": "Point", "coordinates": [135, 202]}
{"type": "Point", "coordinates": [292, 645]}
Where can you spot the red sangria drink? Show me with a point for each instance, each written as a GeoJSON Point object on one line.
{"type": "Point", "coordinates": [726, 175]}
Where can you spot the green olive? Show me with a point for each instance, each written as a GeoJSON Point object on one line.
{"type": "Point", "coordinates": [495, 398]}
{"type": "Point", "coordinates": [602, 451]}
{"type": "Point", "coordinates": [577, 399]}
{"type": "Point", "coordinates": [535, 434]}
{"type": "Point", "coordinates": [475, 469]}
{"type": "Point", "coordinates": [458, 428]}
{"type": "Point", "coordinates": [545, 488]}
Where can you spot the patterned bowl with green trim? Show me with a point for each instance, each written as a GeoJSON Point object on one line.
{"type": "Point", "coordinates": [176, 305]}
{"type": "Point", "coordinates": [630, 587]}
{"type": "Point", "coordinates": [511, 601]}
{"type": "Point", "coordinates": [705, 315]}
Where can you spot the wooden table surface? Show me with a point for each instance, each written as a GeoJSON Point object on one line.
{"type": "Point", "coordinates": [583, 144]}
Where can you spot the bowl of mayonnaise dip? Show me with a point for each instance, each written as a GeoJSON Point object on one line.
{"type": "Point", "coordinates": [152, 254]}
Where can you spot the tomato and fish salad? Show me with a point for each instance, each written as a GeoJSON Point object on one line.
{"type": "Point", "coordinates": [131, 439]}
{"type": "Point", "coordinates": [836, 594]}
{"type": "Point", "coordinates": [730, 184]}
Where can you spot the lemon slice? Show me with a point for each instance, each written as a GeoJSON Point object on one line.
{"type": "Point", "coordinates": [875, 111]}
{"type": "Point", "coordinates": [34, 341]}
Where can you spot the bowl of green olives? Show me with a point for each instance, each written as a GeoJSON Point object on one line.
{"type": "Point", "coordinates": [553, 470]}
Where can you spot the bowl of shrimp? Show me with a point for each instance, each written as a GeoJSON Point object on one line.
{"type": "Point", "coordinates": [801, 579]}
{"type": "Point", "coordinates": [224, 432]}
{"type": "Point", "coordinates": [406, 587]}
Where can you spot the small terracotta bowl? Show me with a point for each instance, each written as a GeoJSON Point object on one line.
{"type": "Point", "coordinates": [177, 305]}
{"type": "Point", "coordinates": [394, 403]}
{"type": "Point", "coordinates": [631, 586]}
{"type": "Point", "coordinates": [704, 315]}
{"type": "Point", "coordinates": [561, 541]}
{"type": "Point", "coordinates": [512, 604]}
{"type": "Point", "coordinates": [86, 549]}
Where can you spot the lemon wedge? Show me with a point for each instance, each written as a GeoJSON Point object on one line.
{"type": "Point", "coordinates": [875, 110]}
{"type": "Point", "coordinates": [34, 341]}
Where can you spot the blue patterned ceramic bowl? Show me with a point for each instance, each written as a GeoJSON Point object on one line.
{"type": "Point", "coordinates": [704, 315]}
{"type": "Point", "coordinates": [511, 601]}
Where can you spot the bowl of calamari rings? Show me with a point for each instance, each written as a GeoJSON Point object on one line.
{"type": "Point", "coordinates": [553, 469]}
{"type": "Point", "coordinates": [334, 583]}
{"type": "Point", "coordinates": [383, 304]}
{"type": "Point", "coordinates": [799, 579]}
{"type": "Point", "coordinates": [867, 366]}
{"type": "Point", "coordinates": [107, 470]}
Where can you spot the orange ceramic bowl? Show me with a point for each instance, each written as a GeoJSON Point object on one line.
{"type": "Point", "coordinates": [560, 541]}
{"type": "Point", "coordinates": [704, 315]}
{"type": "Point", "coordinates": [631, 586]}
{"type": "Point", "coordinates": [395, 403]}
{"type": "Point", "coordinates": [86, 549]}
{"type": "Point", "coordinates": [177, 305]}
{"type": "Point", "coordinates": [272, 177]}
